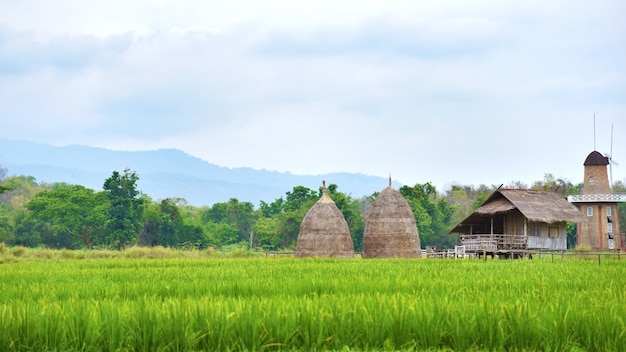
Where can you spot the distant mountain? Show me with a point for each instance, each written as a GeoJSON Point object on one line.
{"type": "Point", "coordinates": [168, 173]}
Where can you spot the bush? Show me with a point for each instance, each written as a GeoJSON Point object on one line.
{"type": "Point", "coordinates": [19, 251]}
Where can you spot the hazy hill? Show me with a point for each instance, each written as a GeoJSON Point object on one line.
{"type": "Point", "coordinates": [168, 173]}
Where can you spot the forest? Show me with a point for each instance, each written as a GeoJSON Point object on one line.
{"type": "Point", "coordinates": [68, 216]}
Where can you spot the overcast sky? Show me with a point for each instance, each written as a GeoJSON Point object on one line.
{"type": "Point", "coordinates": [467, 92]}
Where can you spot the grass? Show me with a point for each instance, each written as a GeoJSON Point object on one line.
{"type": "Point", "coordinates": [191, 303]}
{"type": "Point", "coordinates": [21, 254]}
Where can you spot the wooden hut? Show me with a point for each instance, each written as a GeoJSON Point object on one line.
{"type": "Point", "coordinates": [391, 230]}
{"type": "Point", "coordinates": [324, 232]}
{"type": "Point", "coordinates": [513, 220]}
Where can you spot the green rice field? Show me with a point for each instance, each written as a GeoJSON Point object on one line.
{"type": "Point", "coordinates": [283, 303]}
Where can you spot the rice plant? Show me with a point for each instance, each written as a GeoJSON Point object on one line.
{"type": "Point", "coordinates": [235, 304]}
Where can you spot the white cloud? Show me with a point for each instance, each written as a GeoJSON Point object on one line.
{"type": "Point", "coordinates": [474, 92]}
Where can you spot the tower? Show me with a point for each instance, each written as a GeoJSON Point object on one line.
{"type": "Point", "coordinates": [599, 204]}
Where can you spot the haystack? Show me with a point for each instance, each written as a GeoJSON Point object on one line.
{"type": "Point", "coordinates": [390, 230]}
{"type": "Point", "coordinates": [324, 232]}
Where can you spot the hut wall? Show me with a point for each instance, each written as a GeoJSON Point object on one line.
{"type": "Point", "coordinates": [514, 223]}
{"type": "Point", "coordinates": [547, 236]}
{"type": "Point", "coordinates": [515, 236]}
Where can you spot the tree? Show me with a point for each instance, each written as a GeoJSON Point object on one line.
{"type": "Point", "coordinates": [432, 214]}
{"type": "Point", "coordinates": [238, 215]}
{"type": "Point", "coordinates": [620, 188]}
{"type": "Point", "coordinates": [73, 210]}
{"type": "Point", "coordinates": [125, 211]}
{"type": "Point", "coordinates": [30, 232]}
{"type": "Point", "coordinates": [171, 223]}
{"type": "Point", "coordinates": [560, 185]}
{"type": "Point", "coordinates": [18, 190]}
{"type": "Point", "coordinates": [300, 197]}
{"type": "Point", "coordinates": [351, 210]}
{"type": "Point", "coordinates": [269, 210]}
{"type": "Point", "coordinates": [3, 173]}
{"type": "Point", "coordinates": [297, 204]}
{"type": "Point", "coordinates": [266, 233]}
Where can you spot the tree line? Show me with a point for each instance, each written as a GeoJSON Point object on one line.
{"type": "Point", "coordinates": [61, 215]}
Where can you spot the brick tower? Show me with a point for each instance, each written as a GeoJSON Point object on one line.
{"type": "Point", "coordinates": [601, 231]}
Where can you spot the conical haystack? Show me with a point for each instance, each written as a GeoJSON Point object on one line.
{"type": "Point", "coordinates": [390, 230]}
{"type": "Point", "coordinates": [324, 232]}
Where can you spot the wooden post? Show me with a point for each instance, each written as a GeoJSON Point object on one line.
{"type": "Point", "coordinates": [598, 259]}
{"type": "Point", "coordinates": [492, 229]}
{"type": "Point", "coordinates": [485, 255]}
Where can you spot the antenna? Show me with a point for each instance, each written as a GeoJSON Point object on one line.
{"type": "Point", "coordinates": [594, 130]}
{"type": "Point", "coordinates": [611, 150]}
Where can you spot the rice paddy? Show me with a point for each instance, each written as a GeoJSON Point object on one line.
{"type": "Point", "coordinates": [237, 304]}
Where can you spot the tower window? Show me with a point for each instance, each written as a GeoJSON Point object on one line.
{"type": "Point", "coordinates": [591, 179]}
{"type": "Point", "coordinates": [608, 211]}
{"type": "Point", "coordinates": [610, 227]}
{"type": "Point", "coordinates": [589, 211]}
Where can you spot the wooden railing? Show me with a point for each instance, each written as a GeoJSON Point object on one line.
{"type": "Point", "coordinates": [492, 242]}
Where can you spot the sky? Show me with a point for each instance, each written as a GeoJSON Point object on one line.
{"type": "Point", "coordinates": [446, 92]}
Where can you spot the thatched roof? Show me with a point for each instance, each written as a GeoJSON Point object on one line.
{"type": "Point", "coordinates": [537, 206]}
{"type": "Point", "coordinates": [390, 230]}
{"type": "Point", "coordinates": [324, 232]}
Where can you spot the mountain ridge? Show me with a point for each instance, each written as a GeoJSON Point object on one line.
{"type": "Point", "coordinates": [169, 172]}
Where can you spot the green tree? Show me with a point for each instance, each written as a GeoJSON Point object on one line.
{"type": "Point", "coordinates": [239, 215]}
{"type": "Point", "coordinates": [3, 174]}
{"type": "Point", "coordinates": [351, 210]}
{"type": "Point", "coordinates": [171, 224]}
{"type": "Point", "coordinates": [125, 211]}
{"type": "Point", "coordinates": [266, 233]}
{"type": "Point", "coordinates": [7, 230]}
{"type": "Point", "coordinates": [300, 197]}
{"type": "Point", "coordinates": [559, 185]}
{"type": "Point", "coordinates": [432, 214]}
{"type": "Point", "coordinates": [272, 209]}
{"type": "Point", "coordinates": [18, 191]}
{"type": "Point", "coordinates": [71, 209]}
{"type": "Point", "coordinates": [222, 234]}
{"type": "Point", "coordinates": [30, 232]}
{"type": "Point", "coordinates": [297, 204]}
{"type": "Point", "coordinates": [620, 188]}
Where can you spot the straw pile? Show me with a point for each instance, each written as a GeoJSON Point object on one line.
{"type": "Point", "coordinates": [390, 230]}
{"type": "Point", "coordinates": [324, 232]}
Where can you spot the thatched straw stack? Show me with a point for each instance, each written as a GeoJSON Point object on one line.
{"type": "Point", "coordinates": [324, 232]}
{"type": "Point", "coordinates": [390, 230]}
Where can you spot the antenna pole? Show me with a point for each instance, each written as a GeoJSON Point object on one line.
{"type": "Point", "coordinates": [594, 130]}
{"type": "Point", "coordinates": [611, 154]}
{"type": "Point", "coordinates": [611, 161]}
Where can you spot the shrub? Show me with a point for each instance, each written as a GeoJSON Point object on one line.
{"type": "Point", "coordinates": [19, 251]}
